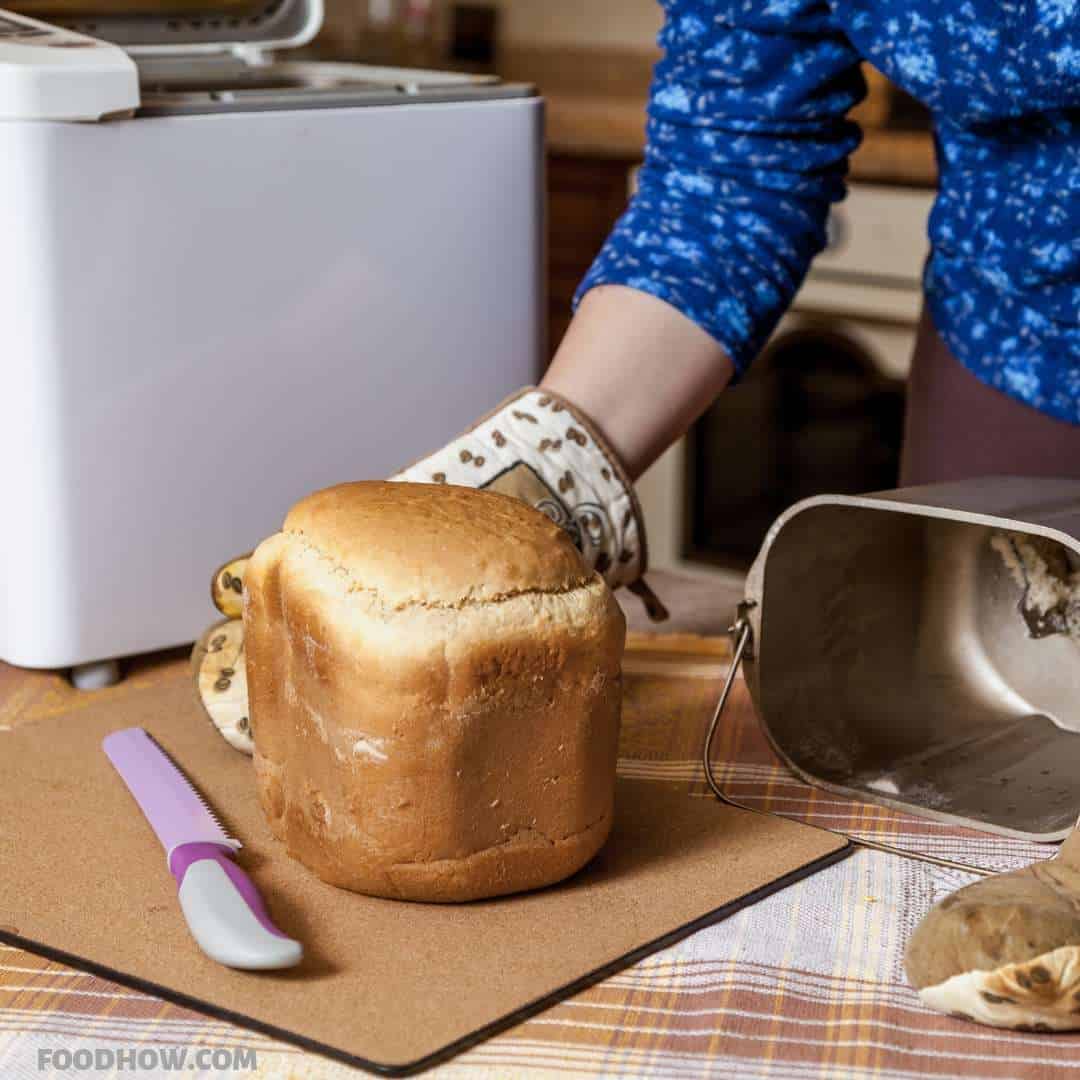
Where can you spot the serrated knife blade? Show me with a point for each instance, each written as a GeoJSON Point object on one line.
{"type": "Point", "coordinates": [223, 909]}
{"type": "Point", "coordinates": [174, 809]}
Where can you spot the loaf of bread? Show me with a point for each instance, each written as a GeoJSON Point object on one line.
{"type": "Point", "coordinates": [434, 689]}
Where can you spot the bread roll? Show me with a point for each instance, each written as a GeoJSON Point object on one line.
{"type": "Point", "coordinates": [434, 684]}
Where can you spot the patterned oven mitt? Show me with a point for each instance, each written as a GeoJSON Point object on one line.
{"type": "Point", "coordinates": [535, 446]}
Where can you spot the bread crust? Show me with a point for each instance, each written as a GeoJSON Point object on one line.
{"type": "Point", "coordinates": [434, 688]}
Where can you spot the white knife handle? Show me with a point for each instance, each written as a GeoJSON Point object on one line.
{"type": "Point", "coordinates": [225, 913]}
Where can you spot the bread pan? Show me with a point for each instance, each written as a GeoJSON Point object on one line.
{"type": "Point", "coordinates": [920, 648]}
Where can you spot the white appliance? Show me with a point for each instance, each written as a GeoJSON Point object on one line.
{"type": "Point", "coordinates": [255, 279]}
{"type": "Point", "coordinates": [864, 291]}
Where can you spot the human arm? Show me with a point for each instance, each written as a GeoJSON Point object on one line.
{"type": "Point", "coordinates": [747, 147]}
{"type": "Point", "coordinates": [642, 366]}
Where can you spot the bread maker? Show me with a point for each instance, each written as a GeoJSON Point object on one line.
{"type": "Point", "coordinates": [227, 280]}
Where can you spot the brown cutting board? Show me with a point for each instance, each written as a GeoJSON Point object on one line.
{"type": "Point", "coordinates": [389, 986]}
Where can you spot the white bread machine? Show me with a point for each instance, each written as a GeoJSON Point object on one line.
{"type": "Point", "coordinates": [225, 281]}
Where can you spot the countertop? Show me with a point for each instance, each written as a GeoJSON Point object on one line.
{"type": "Point", "coordinates": [596, 101]}
{"type": "Point", "coordinates": [697, 604]}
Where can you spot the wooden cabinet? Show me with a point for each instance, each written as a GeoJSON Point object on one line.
{"type": "Point", "coordinates": [585, 197]}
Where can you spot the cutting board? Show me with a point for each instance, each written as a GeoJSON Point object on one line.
{"type": "Point", "coordinates": [390, 986]}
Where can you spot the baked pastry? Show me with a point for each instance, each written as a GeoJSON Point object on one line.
{"type": "Point", "coordinates": [434, 690]}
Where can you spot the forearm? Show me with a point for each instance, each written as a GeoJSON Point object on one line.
{"type": "Point", "coordinates": [640, 369]}
{"type": "Point", "coordinates": [746, 149]}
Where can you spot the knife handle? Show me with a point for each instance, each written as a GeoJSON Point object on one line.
{"type": "Point", "coordinates": [225, 913]}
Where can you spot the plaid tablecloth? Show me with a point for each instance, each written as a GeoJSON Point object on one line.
{"type": "Point", "coordinates": [806, 983]}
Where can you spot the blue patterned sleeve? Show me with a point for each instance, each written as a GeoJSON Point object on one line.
{"type": "Point", "coordinates": [747, 146]}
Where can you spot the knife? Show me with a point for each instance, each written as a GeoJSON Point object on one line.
{"type": "Point", "coordinates": [222, 907]}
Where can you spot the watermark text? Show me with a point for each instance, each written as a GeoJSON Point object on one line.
{"type": "Point", "coordinates": [147, 1059]}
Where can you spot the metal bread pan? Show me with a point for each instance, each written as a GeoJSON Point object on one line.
{"type": "Point", "coordinates": [921, 648]}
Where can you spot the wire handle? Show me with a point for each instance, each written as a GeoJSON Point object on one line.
{"type": "Point", "coordinates": [743, 634]}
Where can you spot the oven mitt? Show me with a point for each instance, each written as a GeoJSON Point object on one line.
{"type": "Point", "coordinates": [538, 447]}
{"type": "Point", "coordinates": [535, 446]}
{"type": "Point", "coordinates": [1005, 950]}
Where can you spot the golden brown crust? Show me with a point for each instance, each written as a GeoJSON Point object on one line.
{"type": "Point", "coordinates": [436, 545]}
{"type": "Point", "coordinates": [423, 734]}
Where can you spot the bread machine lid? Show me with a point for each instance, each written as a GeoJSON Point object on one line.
{"type": "Point", "coordinates": [146, 27]}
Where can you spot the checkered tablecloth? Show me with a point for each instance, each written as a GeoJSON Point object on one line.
{"type": "Point", "coordinates": [805, 983]}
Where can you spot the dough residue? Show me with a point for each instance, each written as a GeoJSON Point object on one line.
{"type": "Point", "coordinates": [1041, 568]}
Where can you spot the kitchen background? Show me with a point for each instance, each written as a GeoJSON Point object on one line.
{"type": "Point", "coordinates": [823, 407]}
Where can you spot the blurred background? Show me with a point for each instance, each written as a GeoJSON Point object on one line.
{"type": "Point", "coordinates": [822, 409]}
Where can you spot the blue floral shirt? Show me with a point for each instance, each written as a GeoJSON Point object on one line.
{"type": "Point", "coordinates": [747, 146]}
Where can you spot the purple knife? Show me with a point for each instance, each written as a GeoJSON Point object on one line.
{"type": "Point", "coordinates": [223, 909]}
